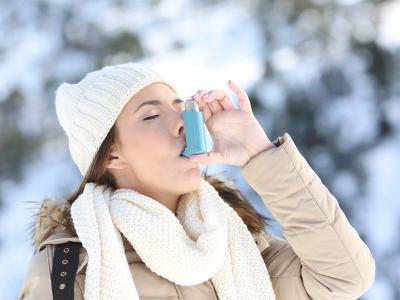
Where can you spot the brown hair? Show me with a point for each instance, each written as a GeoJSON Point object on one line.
{"type": "Point", "coordinates": [99, 174]}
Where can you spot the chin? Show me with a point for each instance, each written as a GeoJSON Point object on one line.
{"type": "Point", "coordinates": [191, 183]}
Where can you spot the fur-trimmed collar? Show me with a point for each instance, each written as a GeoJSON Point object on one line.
{"type": "Point", "coordinates": [53, 214]}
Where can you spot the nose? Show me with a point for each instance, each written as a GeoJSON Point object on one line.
{"type": "Point", "coordinates": [179, 126]}
{"type": "Point", "coordinates": [181, 129]}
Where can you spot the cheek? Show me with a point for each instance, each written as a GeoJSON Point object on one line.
{"type": "Point", "coordinates": [148, 145]}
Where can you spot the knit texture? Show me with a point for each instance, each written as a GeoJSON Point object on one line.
{"type": "Point", "coordinates": [207, 239]}
{"type": "Point", "coordinates": [87, 110]}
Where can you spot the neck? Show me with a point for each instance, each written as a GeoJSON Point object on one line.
{"type": "Point", "coordinates": [169, 200]}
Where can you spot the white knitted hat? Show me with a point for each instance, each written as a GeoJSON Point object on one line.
{"type": "Point", "coordinates": [88, 109]}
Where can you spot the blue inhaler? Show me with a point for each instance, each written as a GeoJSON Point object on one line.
{"type": "Point", "coordinates": [194, 129]}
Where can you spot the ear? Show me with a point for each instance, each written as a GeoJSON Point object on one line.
{"type": "Point", "coordinates": [116, 159]}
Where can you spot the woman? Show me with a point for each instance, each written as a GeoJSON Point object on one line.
{"type": "Point", "coordinates": [152, 227]}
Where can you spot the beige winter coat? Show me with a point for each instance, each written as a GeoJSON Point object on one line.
{"type": "Point", "coordinates": [322, 256]}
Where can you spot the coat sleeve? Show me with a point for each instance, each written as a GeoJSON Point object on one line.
{"type": "Point", "coordinates": [323, 256]}
{"type": "Point", "coordinates": [37, 283]}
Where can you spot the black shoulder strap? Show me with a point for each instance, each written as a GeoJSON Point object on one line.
{"type": "Point", "coordinates": [65, 265]}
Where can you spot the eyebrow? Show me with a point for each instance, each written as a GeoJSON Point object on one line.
{"type": "Point", "coordinates": [156, 102]}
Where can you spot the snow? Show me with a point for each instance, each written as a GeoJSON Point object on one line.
{"type": "Point", "coordinates": [389, 24]}
{"type": "Point", "coordinates": [219, 42]}
{"type": "Point", "coordinates": [382, 205]}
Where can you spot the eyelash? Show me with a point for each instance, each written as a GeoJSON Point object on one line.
{"type": "Point", "coordinates": [150, 118]}
{"type": "Point", "coordinates": [155, 116]}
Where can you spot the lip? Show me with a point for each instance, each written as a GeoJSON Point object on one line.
{"type": "Point", "coordinates": [183, 149]}
{"type": "Point", "coordinates": [186, 159]}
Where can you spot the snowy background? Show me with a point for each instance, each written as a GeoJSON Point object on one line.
{"type": "Point", "coordinates": [325, 71]}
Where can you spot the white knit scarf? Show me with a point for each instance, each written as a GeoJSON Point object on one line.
{"type": "Point", "coordinates": [207, 239]}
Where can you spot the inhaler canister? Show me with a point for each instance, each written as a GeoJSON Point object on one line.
{"type": "Point", "coordinates": [194, 129]}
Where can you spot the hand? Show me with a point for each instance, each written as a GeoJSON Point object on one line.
{"type": "Point", "coordinates": [236, 134]}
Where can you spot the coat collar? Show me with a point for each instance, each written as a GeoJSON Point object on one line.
{"type": "Point", "coordinates": [53, 225]}
{"type": "Point", "coordinates": [131, 254]}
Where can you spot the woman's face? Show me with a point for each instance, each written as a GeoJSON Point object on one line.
{"type": "Point", "coordinates": [145, 156]}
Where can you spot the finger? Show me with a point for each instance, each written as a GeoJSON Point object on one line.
{"type": "Point", "coordinates": [209, 108]}
{"type": "Point", "coordinates": [203, 107]}
{"type": "Point", "coordinates": [223, 98]}
{"type": "Point", "coordinates": [198, 100]}
{"type": "Point", "coordinates": [215, 106]}
{"type": "Point", "coordinates": [207, 113]}
{"type": "Point", "coordinates": [199, 94]}
{"type": "Point", "coordinates": [244, 100]}
{"type": "Point", "coordinates": [211, 103]}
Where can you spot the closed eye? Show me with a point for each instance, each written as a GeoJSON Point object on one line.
{"type": "Point", "coordinates": [150, 118]}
